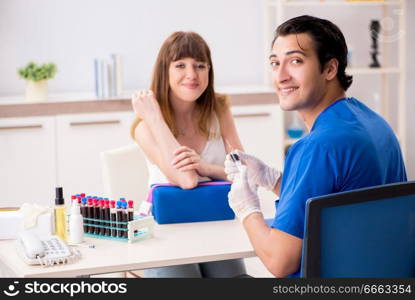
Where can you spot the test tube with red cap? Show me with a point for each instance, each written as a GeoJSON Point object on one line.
{"type": "Point", "coordinates": [97, 215]}
{"type": "Point", "coordinates": [107, 216]}
{"type": "Point", "coordinates": [113, 213]}
{"type": "Point", "coordinates": [130, 210]}
{"type": "Point", "coordinates": [91, 213]}
{"type": "Point", "coordinates": [102, 216]}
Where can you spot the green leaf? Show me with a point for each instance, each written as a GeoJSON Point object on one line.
{"type": "Point", "coordinates": [36, 73]}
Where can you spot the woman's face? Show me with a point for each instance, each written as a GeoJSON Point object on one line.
{"type": "Point", "coordinates": [188, 79]}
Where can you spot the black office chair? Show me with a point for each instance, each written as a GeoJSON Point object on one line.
{"type": "Point", "coordinates": [362, 233]}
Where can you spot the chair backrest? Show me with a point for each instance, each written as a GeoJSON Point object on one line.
{"type": "Point", "coordinates": [362, 233]}
{"type": "Point", "coordinates": [125, 173]}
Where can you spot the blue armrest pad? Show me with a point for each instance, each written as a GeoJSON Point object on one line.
{"type": "Point", "coordinates": [171, 204]}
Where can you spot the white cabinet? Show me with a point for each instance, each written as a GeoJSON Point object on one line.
{"type": "Point", "coordinates": [80, 139]}
{"type": "Point", "coordinates": [27, 161]}
{"type": "Point", "coordinates": [259, 128]}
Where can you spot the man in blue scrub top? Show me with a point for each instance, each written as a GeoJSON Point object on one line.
{"type": "Point", "coordinates": [348, 146]}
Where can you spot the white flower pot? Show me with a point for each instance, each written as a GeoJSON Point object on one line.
{"type": "Point", "coordinates": [36, 91]}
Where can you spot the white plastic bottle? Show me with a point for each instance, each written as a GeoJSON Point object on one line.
{"type": "Point", "coordinates": [76, 224]}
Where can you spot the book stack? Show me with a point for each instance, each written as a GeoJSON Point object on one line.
{"type": "Point", "coordinates": [108, 76]}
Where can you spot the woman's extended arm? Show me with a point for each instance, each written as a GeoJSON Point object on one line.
{"type": "Point", "coordinates": [158, 142]}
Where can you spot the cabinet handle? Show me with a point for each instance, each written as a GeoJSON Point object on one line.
{"type": "Point", "coordinates": [21, 127]}
{"type": "Point", "coordinates": [251, 115]}
{"type": "Point", "coordinates": [94, 123]}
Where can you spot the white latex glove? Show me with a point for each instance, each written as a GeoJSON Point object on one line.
{"type": "Point", "coordinates": [258, 172]}
{"type": "Point", "coordinates": [243, 197]}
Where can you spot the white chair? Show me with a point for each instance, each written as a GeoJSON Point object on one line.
{"type": "Point", "coordinates": [125, 174]}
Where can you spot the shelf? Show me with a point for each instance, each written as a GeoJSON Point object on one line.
{"type": "Point", "coordinates": [367, 70]}
{"type": "Point", "coordinates": [337, 3]}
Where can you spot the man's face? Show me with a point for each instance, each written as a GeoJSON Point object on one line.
{"type": "Point", "coordinates": [296, 74]}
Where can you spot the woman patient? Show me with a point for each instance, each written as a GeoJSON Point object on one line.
{"type": "Point", "coordinates": [185, 130]}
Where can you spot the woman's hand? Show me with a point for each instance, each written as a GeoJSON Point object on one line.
{"type": "Point", "coordinates": [145, 105]}
{"type": "Point", "coordinates": [186, 159]}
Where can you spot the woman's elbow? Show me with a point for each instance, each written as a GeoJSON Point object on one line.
{"type": "Point", "coordinates": [188, 183]}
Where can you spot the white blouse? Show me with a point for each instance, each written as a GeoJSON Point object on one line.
{"type": "Point", "coordinates": [213, 153]}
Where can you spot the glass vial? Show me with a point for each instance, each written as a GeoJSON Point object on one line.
{"type": "Point", "coordinates": [60, 214]}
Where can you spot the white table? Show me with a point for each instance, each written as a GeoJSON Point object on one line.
{"type": "Point", "coordinates": [173, 244]}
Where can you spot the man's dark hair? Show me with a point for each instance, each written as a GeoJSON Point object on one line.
{"type": "Point", "coordinates": [328, 41]}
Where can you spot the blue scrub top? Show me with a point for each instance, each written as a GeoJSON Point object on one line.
{"type": "Point", "coordinates": [348, 147]}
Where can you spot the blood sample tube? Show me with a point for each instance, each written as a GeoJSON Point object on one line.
{"type": "Point", "coordinates": [84, 213]}
{"type": "Point", "coordinates": [119, 218]}
{"type": "Point", "coordinates": [130, 210]}
{"type": "Point", "coordinates": [102, 216]}
{"type": "Point", "coordinates": [107, 217]}
{"type": "Point", "coordinates": [125, 218]}
{"type": "Point", "coordinates": [91, 213]}
{"type": "Point", "coordinates": [97, 215]}
{"type": "Point", "coordinates": [113, 213]}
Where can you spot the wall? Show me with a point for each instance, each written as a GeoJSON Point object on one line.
{"type": "Point", "coordinates": [73, 32]}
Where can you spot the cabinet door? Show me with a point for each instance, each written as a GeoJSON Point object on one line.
{"type": "Point", "coordinates": [27, 161]}
{"type": "Point", "coordinates": [260, 128]}
{"type": "Point", "coordinates": [80, 140]}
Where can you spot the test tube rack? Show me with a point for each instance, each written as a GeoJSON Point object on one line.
{"type": "Point", "coordinates": [141, 228]}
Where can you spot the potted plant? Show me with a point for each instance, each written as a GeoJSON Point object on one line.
{"type": "Point", "coordinates": [37, 80]}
